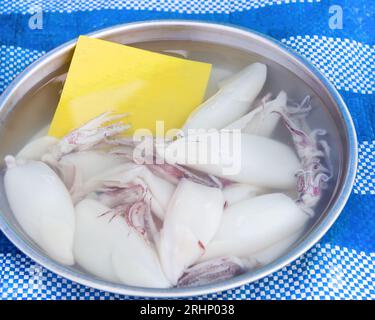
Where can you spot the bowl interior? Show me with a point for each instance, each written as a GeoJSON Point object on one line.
{"type": "Point", "coordinates": [30, 105]}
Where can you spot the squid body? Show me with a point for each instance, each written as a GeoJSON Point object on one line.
{"type": "Point", "coordinates": [42, 206]}
{"type": "Point", "coordinates": [109, 248]}
{"type": "Point", "coordinates": [232, 101]}
{"type": "Point", "coordinates": [191, 221]}
{"type": "Point", "coordinates": [254, 224]}
{"type": "Point", "coordinates": [258, 161]}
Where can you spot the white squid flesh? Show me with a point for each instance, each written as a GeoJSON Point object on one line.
{"type": "Point", "coordinates": [237, 192]}
{"type": "Point", "coordinates": [263, 120]}
{"type": "Point", "coordinates": [35, 149]}
{"type": "Point", "coordinates": [161, 190]}
{"type": "Point", "coordinates": [42, 205]}
{"type": "Point", "coordinates": [191, 221]}
{"type": "Point", "coordinates": [130, 173]}
{"type": "Point", "coordinates": [261, 161]}
{"type": "Point", "coordinates": [254, 224]}
{"type": "Point", "coordinates": [90, 163]}
{"type": "Point", "coordinates": [231, 102]}
{"type": "Point", "coordinates": [111, 249]}
{"type": "Point", "coordinates": [274, 251]}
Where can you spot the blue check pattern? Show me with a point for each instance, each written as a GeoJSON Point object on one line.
{"type": "Point", "coordinates": [341, 265]}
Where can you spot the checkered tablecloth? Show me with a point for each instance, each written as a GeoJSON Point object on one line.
{"type": "Point", "coordinates": [342, 265]}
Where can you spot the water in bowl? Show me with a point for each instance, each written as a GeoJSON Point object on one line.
{"type": "Point", "coordinates": [36, 109]}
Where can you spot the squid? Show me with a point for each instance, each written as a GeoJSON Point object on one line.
{"type": "Point", "coordinates": [314, 154]}
{"type": "Point", "coordinates": [161, 190]}
{"type": "Point", "coordinates": [271, 253]}
{"type": "Point", "coordinates": [90, 135]}
{"type": "Point", "coordinates": [313, 177]}
{"type": "Point", "coordinates": [260, 161]}
{"type": "Point", "coordinates": [111, 184]}
{"type": "Point", "coordinates": [35, 149]}
{"type": "Point", "coordinates": [77, 169]}
{"type": "Point", "coordinates": [38, 145]}
{"type": "Point", "coordinates": [236, 192]}
{"type": "Point", "coordinates": [254, 224]}
{"type": "Point", "coordinates": [114, 247]}
{"type": "Point", "coordinates": [232, 101]}
{"type": "Point", "coordinates": [73, 157]}
{"type": "Point", "coordinates": [191, 221]}
{"type": "Point", "coordinates": [172, 173]}
{"type": "Point", "coordinates": [42, 206]}
{"type": "Point", "coordinates": [214, 270]}
{"type": "Point", "coordinates": [91, 163]}
{"type": "Point", "coordinates": [263, 120]}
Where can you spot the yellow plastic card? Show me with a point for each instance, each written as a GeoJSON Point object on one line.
{"type": "Point", "coordinates": [106, 76]}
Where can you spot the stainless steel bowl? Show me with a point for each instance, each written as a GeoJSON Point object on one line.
{"type": "Point", "coordinates": [26, 106]}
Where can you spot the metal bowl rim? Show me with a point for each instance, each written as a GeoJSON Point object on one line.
{"type": "Point", "coordinates": [313, 237]}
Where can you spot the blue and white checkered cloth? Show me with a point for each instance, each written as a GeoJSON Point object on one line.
{"type": "Point", "coordinates": [342, 265]}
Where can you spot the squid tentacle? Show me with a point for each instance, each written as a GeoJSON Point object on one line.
{"type": "Point", "coordinates": [90, 134]}
{"type": "Point", "coordinates": [211, 271]}
{"type": "Point", "coordinates": [313, 176]}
